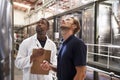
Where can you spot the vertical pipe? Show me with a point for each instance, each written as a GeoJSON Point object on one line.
{"type": "Point", "coordinates": [12, 52]}
{"type": "Point", "coordinates": [95, 74]}
{"type": "Point", "coordinates": [108, 57]}
{"type": "Point", "coordinates": [54, 26]}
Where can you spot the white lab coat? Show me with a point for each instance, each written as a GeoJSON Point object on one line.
{"type": "Point", "coordinates": [23, 57]}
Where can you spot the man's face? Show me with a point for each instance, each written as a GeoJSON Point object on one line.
{"type": "Point", "coordinates": [42, 28]}
{"type": "Point", "coordinates": [66, 24]}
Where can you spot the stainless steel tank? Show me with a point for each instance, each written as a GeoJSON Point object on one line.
{"type": "Point", "coordinates": [5, 38]}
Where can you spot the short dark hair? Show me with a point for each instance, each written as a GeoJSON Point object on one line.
{"type": "Point", "coordinates": [43, 19]}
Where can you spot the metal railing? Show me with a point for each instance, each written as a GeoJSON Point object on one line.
{"type": "Point", "coordinates": [111, 74]}
{"type": "Point", "coordinates": [110, 49]}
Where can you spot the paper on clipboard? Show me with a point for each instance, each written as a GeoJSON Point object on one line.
{"type": "Point", "coordinates": [36, 69]}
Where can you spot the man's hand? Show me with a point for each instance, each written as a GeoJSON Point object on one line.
{"type": "Point", "coordinates": [48, 66]}
{"type": "Point", "coordinates": [37, 52]}
{"type": "Point", "coordinates": [45, 65]}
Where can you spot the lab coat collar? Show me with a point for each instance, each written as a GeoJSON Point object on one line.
{"type": "Point", "coordinates": [37, 42]}
{"type": "Point", "coordinates": [35, 37]}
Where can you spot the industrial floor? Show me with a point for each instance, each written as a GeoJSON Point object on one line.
{"type": "Point", "coordinates": [17, 74]}
{"type": "Point", "coordinates": [89, 76]}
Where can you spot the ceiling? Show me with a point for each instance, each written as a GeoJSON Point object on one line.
{"type": "Point", "coordinates": [23, 5]}
{"type": "Point", "coordinates": [62, 5]}
{"type": "Point", "coordinates": [30, 4]}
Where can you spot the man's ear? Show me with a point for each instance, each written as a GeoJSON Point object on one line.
{"type": "Point", "coordinates": [74, 26]}
{"type": "Point", "coordinates": [47, 28]}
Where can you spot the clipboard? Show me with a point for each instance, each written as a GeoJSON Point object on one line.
{"type": "Point", "coordinates": [35, 68]}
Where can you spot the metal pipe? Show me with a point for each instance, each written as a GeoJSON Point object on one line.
{"type": "Point", "coordinates": [111, 74]}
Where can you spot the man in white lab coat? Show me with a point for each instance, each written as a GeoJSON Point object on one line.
{"type": "Point", "coordinates": [25, 57]}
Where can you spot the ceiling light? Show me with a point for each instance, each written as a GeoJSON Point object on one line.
{"type": "Point", "coordinates": [21, 5]}
{"type": "Point", "coordinates": [87, 1]}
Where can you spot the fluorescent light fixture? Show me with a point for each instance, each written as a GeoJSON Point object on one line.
{"type": "Point", "coordinates": [87, 1]}
{"type": "Point", "coordinates": [21, 5]}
